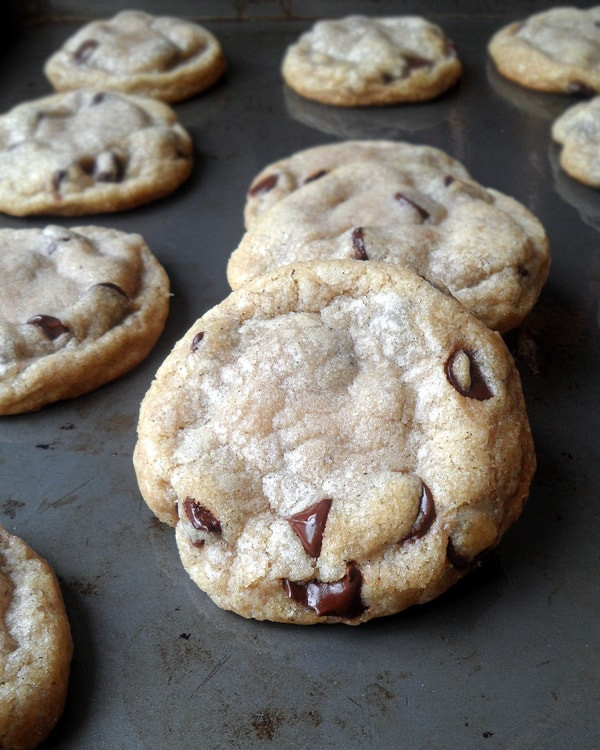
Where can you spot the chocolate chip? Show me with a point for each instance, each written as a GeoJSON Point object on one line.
{"type": "Point", "coordinates": [315, 176]}
{"type": "Point", "coordinates": [448, 180]}
{"type": "Point", "coordinates": [463, 373]}
{"type": "Point", "coordinates": [98, 98]}
{"type": "Point", "coordinates": [57, 179]}
{"type": "Point", "coordinates": [425, 516]}
{"type": "Point", "coordinates": [414, 62]}
{"type": "Point", "coordinates": [523, 272]}
{"type": "Point", "coordinates": [266, 184]}
{"type": "Point", "coordinates": [83, 53]}
{"type": "Point", "coordinates": [51, 326]}
{"type": "Point", "coordinates": [336, 599]}
{"type": "Point", "coordinates": [200, 517]}
{"type": "Point", "coordinates": [196, 341]}
{"type": "Point", "coordinates": [309, 525]}
{"type": "Point", "coordinates": [109, 167]}
{"type": "Point", "coordinates": [358, 242]}
{"type": "Point", "coordinates": [577, 87]}
{"type": "Point", "coordinates": [114, 287]}
{"type": "Point", "coordinates": [401, 198]}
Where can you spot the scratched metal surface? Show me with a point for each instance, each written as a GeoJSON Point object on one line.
{"type": "Point", "coordinates": [509, 657]}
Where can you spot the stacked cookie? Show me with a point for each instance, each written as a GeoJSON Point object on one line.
{"type": "Point", "coordinates": [345, 435]}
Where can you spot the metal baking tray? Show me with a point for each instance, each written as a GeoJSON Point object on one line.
{"type": "Point", "coordinates": [509, 658]}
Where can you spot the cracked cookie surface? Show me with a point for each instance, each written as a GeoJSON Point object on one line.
{"type": "Point", "coordinates": [556, 51]}
{"type": "Point", "coordinates": [138, 53]}
{"type": "Point", "coordinates": [398, 203]}
{"type": "Point", "coordinates": [87, 152]}
{"type": "Point", "coordinates": [334, 442]}
{"type": "Point", "coordinates": [364, 61]}
{"type": "Point", "coordinates": [35, 646]}
{"type": "Point", "coordinates": [78, 308]}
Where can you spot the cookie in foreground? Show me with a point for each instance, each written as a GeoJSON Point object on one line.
{"type": "Point", "coordinates": [577, 131]}
{"type": "Point", "coordinates": [78, 308]}
{"type": "Point", "coordinates": [555, 51]}
{"type": "Point", "coordinates": [138, 53]}
{"type": "Point", "coordinates": [401, 203]}
{"type": "Point", "coordinates": [361, 61]}
{"type": "Point", "coordinates": [35, 647]}
{"type": "Point", "coordinates": [334, 442]}
{"type": "Point", "coordinates": [85, 152]}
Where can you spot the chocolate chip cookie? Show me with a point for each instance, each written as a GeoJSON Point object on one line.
{"type": "Point", "coordinates": [578, 132]}
{"type": "Point", "coordinates": [35, 646]}
{"type": "Point", "coordinates": [78, 308]}
{"type": "Point", "coordinates": [334, 442]}
{"type": "Point", "coordinates": [556, 51]}
{"type": "Point", "coordinates": [398, 203]}
{"type": "Point", "coordinates": [358, 61]}
{"type": "Point", "coordinates": [138, 53]}
{"type": "Point", "coordinates": [89, 152]}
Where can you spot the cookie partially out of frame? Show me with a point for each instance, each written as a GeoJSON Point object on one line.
{"type": "Point", "coordinates": [556, 51]}
{"type": "Point", "coordinates": [89, 152]}
{"type": "Point", "coordinates": [78, 308]}
{"type": "Point", "coordinates": [578, 132]}
{"type": "Point", "coordinates": [399, 203]}
{"type": "Point", "coordinates": [335, 442]}
{"type": "Point", "coordinates": [35, 646]}
{"type": "Point", "coordinates": [138, 53]}
{"type": "Point", "coordinates": [363, 61]}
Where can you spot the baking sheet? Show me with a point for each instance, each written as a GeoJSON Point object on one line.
{"type": "Point", "coordinates": [509, 657]}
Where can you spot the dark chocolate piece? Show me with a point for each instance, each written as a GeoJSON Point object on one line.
{"type": "Point", "coordinates": [336, 599]}
{"type": "Point", "coordinates": [309, 525]}
{"type": "Point", "coordinates": [266, 184]}
{"type": "Point", "coordinates": [196, 341]}
{"type": "Point", "coordinates": [401, 198]}
{"type": "Point", "coordinates": [414, 62]}
{"type": "Point", "coordinates": [425, 516]}
{"type": "Point", "coordinates": [109, 167]}
{"type": "Point", "coordinates": [83, 53]}
{"type": "Point", "coordinates": [114, 287]}
{"type": "Point", "coordinates": [358, 242]}
{"type": "Point", "coordinates": [478, 388]}
{"type": "Point", "coordinates": [315, 175]}
{"type": "Point", "coordinates": [200, 517]}
{"type": "Point", "coordinates": [51, 326]}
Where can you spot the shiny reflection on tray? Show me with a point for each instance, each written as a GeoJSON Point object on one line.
{"type": "Point", "coordinates": [368, 122]}
{"type": "Point", "coordinates": [586, 200]}
{"type": "Point", "coordinates": [547, 106]}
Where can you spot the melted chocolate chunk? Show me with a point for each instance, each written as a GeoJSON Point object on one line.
{"type": "Point", "coordinates": [425, 516]}
{"type": "Point", "coordinates": [477, 388]}
{"type": "Point", "coordinates": [51, 326]}
{"type": "Point", "coordinates": [266, 184]}
{"type": "Point", "coordinates": [336, 599]}
{"type": "Point", "coordinates": [582, 89]}
{"type": "Point", "coordinates": [414, 62]}
{"type": "Point", "coordinates": [309, 525]}
{"type": "Point", "coordinates": [196, 341]}
{"type": "Point", "coordinates": [83, 53]}
{"type": "Point", "coordinates": [358, 242]}
{"type": "Point", "coordinates": [315, 175]}
{"type": "Point", "coordinates": [523, 272]}
{"type": "Point", "coordinates": [114, 287]}
{"type": "Point", "coordinates": [448, 180]}
{"type": "Point", "coordinates": [200, 517]}
{"type": "Point", "coordinates": [401, 198]}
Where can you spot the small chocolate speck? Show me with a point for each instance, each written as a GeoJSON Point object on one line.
{"type": "Point", "coordinates": [266, 184]}
{"type": "Point", "coordinates": [51, 326]}
{"type": "Point", "coordinates": [358, 242]}
{"type": "Point", "coordinates": [196, 341]}
{"type": "Point", "coordinates": [401, 198]}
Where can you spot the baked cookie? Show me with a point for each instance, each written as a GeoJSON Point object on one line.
{"type": "Point", "coordinates": [412, 205]}
{"type": "Point", "coordinates": [359, 61]}
{"type": "Point", "coordinates": [556, 51]}
{"type": "Point", "coordinates": [78, 308]}
{"type": "Point", "coordinates": [335, 442]}
{"type": "Point", "coordinates": [35, 646]}
{"type": "Point", "coordinates": [578, 132]}
{"type": "Point", "coordinates": [89, 152]}
{"type": "Point", "coordinates": [138, 53]}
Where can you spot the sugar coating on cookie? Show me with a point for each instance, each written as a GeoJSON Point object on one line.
{"type": "Point", "coordinates": [556, 51]}
{"type": "Point", "coordinates": [138, 53]}
{"type": "Point", "coordinates": [364, 61]}
{"type": "Point", "coordinates": [35, 646]}
{"type": "Point", "coordinates": [78, 308]}
{"type": "Point", "coordinates": [88, 152]}
{"type": "Point", "coordinates": [397, 203]}
{"type": "Point", "coordinates": [334, 442]}
{"type": "Point", "coordinates": [578, 132]}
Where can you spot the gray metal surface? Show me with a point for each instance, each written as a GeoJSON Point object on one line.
{"type": "Point", "coordinates": [510, 657]}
